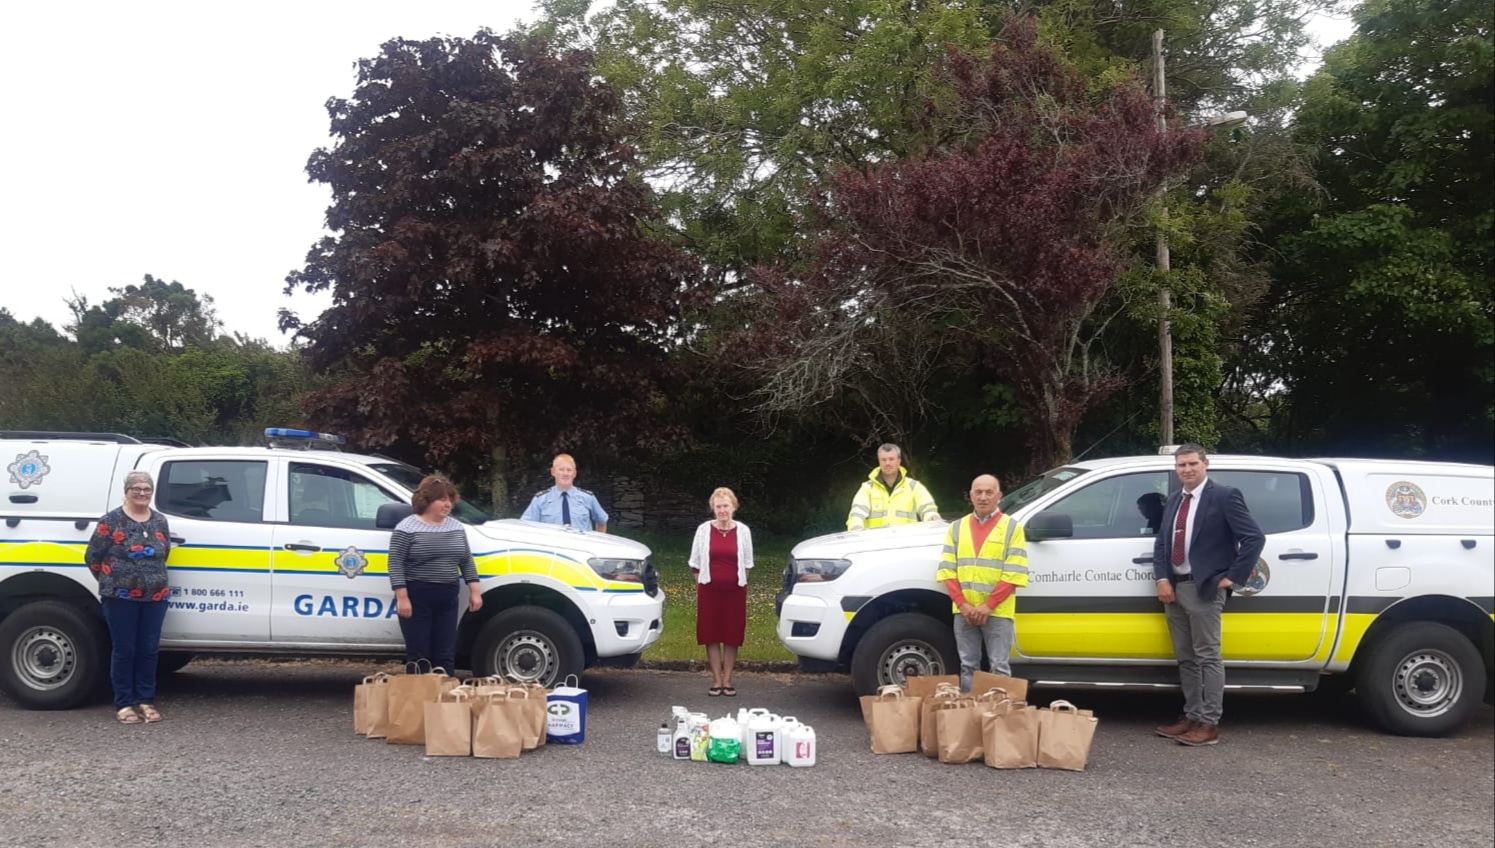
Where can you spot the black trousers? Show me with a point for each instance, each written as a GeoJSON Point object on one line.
{"type": "Point", "coordinates": [431, 630]}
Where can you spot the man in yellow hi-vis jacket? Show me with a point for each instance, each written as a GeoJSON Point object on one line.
{"type": "Point", "coordinates": [890, 496]}
{"type": "Point", "coordinates": [984, 563]}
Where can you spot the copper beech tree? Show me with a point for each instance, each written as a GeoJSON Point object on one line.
{"type": "Point", "coordinates": [497, 287]}
{"type": "Point", "coordinates": [995, 246]}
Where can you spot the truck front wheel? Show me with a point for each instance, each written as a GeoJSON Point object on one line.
{"type": "Point", "coordinates": [56, 655]}
{"type": "Point", "coordinates": [529, 644]}
{"type": "Point", "coordinates": [908, 644]}
{"type": "Point", "coordinates": [1421, 679]}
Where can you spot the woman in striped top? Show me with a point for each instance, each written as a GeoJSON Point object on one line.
{"type": "Point", "coordinates": [429, 559]}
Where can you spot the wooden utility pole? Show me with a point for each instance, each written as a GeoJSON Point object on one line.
{"type": "Point", "coordinates": [1165, 297]}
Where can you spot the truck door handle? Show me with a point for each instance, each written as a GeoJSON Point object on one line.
{"type": "Point", "coordinates": [178, 540]}
{"type": "Point", "coordinates": [311, 549]}
{"type": "Point", "coordinates": [1298, 556]}
{"type": "Point", "coordinates": [1147, 560]}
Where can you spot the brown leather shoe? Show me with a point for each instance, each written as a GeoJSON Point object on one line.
{"type": "Point", "coordinates": [1176, 729]}
{"type": "Point", "coordinates": [1201, 734]}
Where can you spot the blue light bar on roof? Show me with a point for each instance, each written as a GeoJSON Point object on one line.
{"type": "Point", "coordinates": [308, 435]}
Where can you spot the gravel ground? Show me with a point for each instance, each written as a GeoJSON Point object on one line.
{"type": "Point", "coordinates": [256, 753]}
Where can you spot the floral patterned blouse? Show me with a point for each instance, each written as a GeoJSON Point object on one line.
{"type": "Point", "coordinates": [128, 557]}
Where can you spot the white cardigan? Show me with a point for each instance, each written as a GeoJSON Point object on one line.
{"type": "Point", "coordinates": [700, 553]}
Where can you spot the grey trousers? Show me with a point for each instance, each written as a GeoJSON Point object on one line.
{"type": "Point", "coordinates": [1194, 624]}
{"type": "Point", "coordinates": [997, 635]}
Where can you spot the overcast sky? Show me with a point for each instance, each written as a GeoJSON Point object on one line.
{"type": "Point", "coordinates": [170, 139]}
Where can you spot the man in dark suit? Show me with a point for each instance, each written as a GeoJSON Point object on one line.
{"type": "Point", "coordinates": [1208, 543]}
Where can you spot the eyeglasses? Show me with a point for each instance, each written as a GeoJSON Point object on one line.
{"type": "Point", "coordinates": [140, 490]}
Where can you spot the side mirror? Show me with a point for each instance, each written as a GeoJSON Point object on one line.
{"type": "Point", "coordinates": [391, 514]}
{"type": "Point", "coordinates": [1049, 525]}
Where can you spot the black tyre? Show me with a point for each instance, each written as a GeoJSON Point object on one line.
{"type": "Point", "coordinates": [1421, 679]}
{"type": "Point", "coordinates": [904, 645]}
{"type": "Point", "coordinates": [56, 655]}
{"type": "Point", "coordinates": [171, 662]}
{"type": "Point", "coordinates": [530, 644]}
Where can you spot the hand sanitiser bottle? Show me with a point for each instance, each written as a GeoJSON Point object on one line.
{"type": "Point", "coordinates": [665, 741]}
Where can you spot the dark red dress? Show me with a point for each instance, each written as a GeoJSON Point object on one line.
{"type": "Point", "coordinates": [721, 605]}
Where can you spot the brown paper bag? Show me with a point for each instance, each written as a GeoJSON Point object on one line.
{"type": "Point", "coordinates": [866, 701]}
{"type": "Point", "coordinates": [449, 724]}
{"type": "Point", "coordinates": [497, 726]}
{"type": "Point", "coordinates": [929, 738]}
{"type": "Point", "coordinates": [959, 730]}
{"type": "Point", "coordinates": [1009, 735]}
{"type": "Point", "coordinates": [408, 696]}
{"type": "Point", "coordinates": [371, 705]}
{"type": "Point", "coordinates": [1015, 687]}
{"type": "Point", "coordinates": [531, 699]}
{"type": "Point", "coordinates": [893, 720]}
{"type": "Point", "coordinates": [1064, 736]}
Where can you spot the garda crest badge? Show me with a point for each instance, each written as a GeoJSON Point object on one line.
{"type": "Point", "coordinates": [1406, 500]}
{"type": "Point", "coordinates": [28, 469]}
{"type": "Point", "coordinates": [351, 562]}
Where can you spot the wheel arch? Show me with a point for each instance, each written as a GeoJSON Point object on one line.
{"type": "Point", "coordinates": [33, 586]}
{"type": "Point", "coordinates": [511, 595]}
{"type": "Point", "coordinates": [928, 602]}
{"type": "Point", "coordinates": [1461, 614]}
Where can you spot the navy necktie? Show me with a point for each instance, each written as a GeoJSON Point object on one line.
{"type": "Point", "coordinates": [565, 510]}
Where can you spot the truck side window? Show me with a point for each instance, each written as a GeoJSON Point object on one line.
{"type": "Point", "coordinates": [323, 496]}
{"type": "Point", "coordinates": [213, 489]}
{"type": "Point", "coordinates": [1129, 506]}
{"type": "Point", "coordinates": [1280, 501]}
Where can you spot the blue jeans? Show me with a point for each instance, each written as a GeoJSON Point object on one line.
{"type": "Point", "coordinates": [431, 630]}
{"type": "Point", "coordinates": [997, 636]}
{"type": "Point", "coordinates": [135, 629]}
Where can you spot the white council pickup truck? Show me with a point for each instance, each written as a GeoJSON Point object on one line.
{"type": "Point", "coordinates": [1377, 575]}
{"type": "Point", "coordinates": [282, 550]}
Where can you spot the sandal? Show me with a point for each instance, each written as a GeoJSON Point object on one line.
{"type": "Point", "coordinates": [152, 715]}
{"type": "Point", "coordinates": [714, 691]}
{"type": "Point", "coordinates": [729, 691]}
{"type": "Point", "coordinates": [127, 715]}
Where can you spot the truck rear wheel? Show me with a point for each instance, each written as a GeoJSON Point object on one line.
{"type": "Point", "coordinates": [908, 644]}
{"type": "Point", "coordinates": [1421, 679]}
{"type": "Point", "coordinates": [56, 655]}
{"type": "Point", "coordinates": [529, 644]}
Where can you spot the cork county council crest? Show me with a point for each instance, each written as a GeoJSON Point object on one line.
{"type": "Point", "coordinates": [351, 562]}
{"type": "Point", "coordinates": [1261, 575]}
{"type": "Point", "coordinates": [28, 469]}
{"type": "Point", "coordinates": [1405, 500]}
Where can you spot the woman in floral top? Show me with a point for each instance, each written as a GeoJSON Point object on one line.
{"type": "Point", "coordinates": [127, 555]}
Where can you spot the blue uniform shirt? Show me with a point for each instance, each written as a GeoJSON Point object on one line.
{"type": "Point", "coordinates": [586, 512]}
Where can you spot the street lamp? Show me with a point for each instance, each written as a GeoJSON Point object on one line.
{"type": "Point", "coordinates": [1165, 296]}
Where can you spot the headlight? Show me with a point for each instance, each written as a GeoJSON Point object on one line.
{"type": "Point", "coordinates": [628, 570]}
{"type": "Point", "coordinates": [817, 570]}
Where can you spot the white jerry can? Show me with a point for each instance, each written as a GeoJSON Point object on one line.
{"type": "Point", "coordinates": [785, 723]}
{"type": "Point", "coordinates": [799, 746]}
{"type": "Point", "coordinates": [763, 730]}
{"type": "Point", "coordinates": [745, 721]}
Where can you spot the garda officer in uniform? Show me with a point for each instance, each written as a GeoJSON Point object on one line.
{"type": "Point", "coordinates": [565, 504]}
{"type": "Point", "coordinates": [890, 496]}
{"type": "Point", "coordinates": [984, 563]}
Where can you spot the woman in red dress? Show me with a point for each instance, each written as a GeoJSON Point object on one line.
{"type": "Point", "coordinates": [720, 557]}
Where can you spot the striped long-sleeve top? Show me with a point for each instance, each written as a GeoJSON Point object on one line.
{"type": "Point", "coordinates": [429, 553]}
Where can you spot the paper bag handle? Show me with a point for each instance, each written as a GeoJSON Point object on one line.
{"type": "Point", "coordinates": [457, 695]}
{"type": "Point", "coordinates": [381, 677]}
{"type": "Point", "coordinates": [417, 665]}
{"type": "Point", "coordinates": [944, 689]}
{"type": "Point", "coordinates": [989, 694]}
{"type": "Point", "coordinates": [1063, 707]}
{"type": "Point", "coordinates": [569, 679]}
{"type": "Point", "coordinates": [890, 689]}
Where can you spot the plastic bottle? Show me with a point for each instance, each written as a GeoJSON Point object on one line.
{"type": "Point", "coordinates": [664, 741]}
{"type": "Point", "coordinates": [700, 730]}
{"type": "Point", "coordinates": [799, 746]}
{"type": "Point", "coordinates": [745, 724]}
{"type": "Point", "coordinates": [786, 724]}
{"type": "Point", "coordinates": [681, 739]}
{"type": "Point", "coordinates": [764, 732]}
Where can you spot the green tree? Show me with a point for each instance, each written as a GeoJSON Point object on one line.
{"type": "Point", "coordinates": [498, 289]}
{"type": "Point", "coordinates": [1378, 332]}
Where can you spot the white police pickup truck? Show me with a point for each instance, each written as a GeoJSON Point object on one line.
{"type": "Point", "coordinates": [282, 550]}
{"type": "Point", "coordinates": [1376, 575]}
